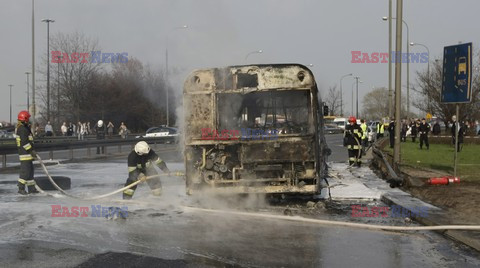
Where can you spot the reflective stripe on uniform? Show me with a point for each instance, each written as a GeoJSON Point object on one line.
{"type": "Point", "coordinates": [25, 157]}
{"type": "Point", "coordinates": [158, 161]}
{"type": "Point", "coordinates": [30, 138]}
{"type": "Point", "coordinates": [22, 181]}
{"type": "Point", "coordinates": [17, 139]}
{"type": "Point", "coordinates": [30, 182]}
{"type": "Point", "coordinates": [139, 165]}
{"type": "Point", "coordinates": [129, 192]}
{"type": "Point", "coordinates": [27, 146]}
{"type": "Point", "coordinates": [351, 159]}
{"type": "Point", "coordinates": [354, 147]}
{"type": "Point", "coordinates": [130, 169]}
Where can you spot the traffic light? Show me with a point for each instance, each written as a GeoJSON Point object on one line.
{"type": "Point", "coordinates": [325, 110]}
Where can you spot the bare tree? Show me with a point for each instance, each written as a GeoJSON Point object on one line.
{"type": "Point", "coordinates": [333, 100]}
{"type": "Point", "coordinates": [375, 104]}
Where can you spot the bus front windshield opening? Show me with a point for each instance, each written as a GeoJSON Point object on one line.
{"type": "Point", "coordinates": [286, 112]}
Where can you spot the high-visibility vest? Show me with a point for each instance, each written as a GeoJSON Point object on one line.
{"type": "Point", "coordinates": [380, 128]}
{"type": "Point", "coordinates": [363, 126]}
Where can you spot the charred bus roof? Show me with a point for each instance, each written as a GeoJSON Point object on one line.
{"type": "Point", "coordinates": [245, 78]}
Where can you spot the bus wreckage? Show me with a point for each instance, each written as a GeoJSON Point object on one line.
{"type": "Point", "coordinates": [254, 129]}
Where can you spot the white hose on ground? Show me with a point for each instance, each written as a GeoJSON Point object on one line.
{"type": "Point", "coordinates": [338, 223]}
{"type": "Point", "coordinates": [104, 195]}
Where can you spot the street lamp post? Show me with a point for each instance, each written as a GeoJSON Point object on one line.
{"type": "Point", "coordinates": [166, 71]}
{"type": "Point", "coordinates": [34, 110]}
{"type": "Point", "coordinates": [254, 52]}
{"type": "Point", "coordinates": [356, 107]}
{"type": "Point", "coordinates": [48, 21]}
{"type": "Point", "coordinates": [408, 63]}
{"type": "Point", "coordinates": [28, 92]}
{"type": "Point", "coordinates": [58, 90]}
{"type": "Point", "coordinates": [428, 72]}
{"type": "Point", "coordinates": [10, 103]}
{"type": "Point", "coordinates": [341, 93]}
{"type": "Point", "coordinates": [353, 100]}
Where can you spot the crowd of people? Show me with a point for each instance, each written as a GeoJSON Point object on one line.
{"type": "Point", "coordinates": [357, 137]}
{"type": "Point", "coordinates": [83, 129]}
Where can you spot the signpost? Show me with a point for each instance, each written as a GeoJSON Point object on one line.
{"type": "Point", "coordinates": [456, 82]}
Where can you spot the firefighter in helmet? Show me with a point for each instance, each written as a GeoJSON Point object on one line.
{"type": "Point", "coordinates": [141, 163]}
{"type": "Point", "coordinates": [353, 136]}
{"type": "Point", "coordinates": [26, 153]}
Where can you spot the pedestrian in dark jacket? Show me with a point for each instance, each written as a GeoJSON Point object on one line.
{"type": "Point", "coordinates": [436, 128]}
{"type": "Point", "coordinates": [413, 127]}
{"type": "Point", "coordinates": [423, 129]}
{"type": "Point", "coordinates": [461, 133]}
{"type": "Point", "coordinates": [403, 131]}
{"type": "Point", "coordinates": [391, 133]}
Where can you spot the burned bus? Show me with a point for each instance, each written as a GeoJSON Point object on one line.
{"type": "Point", "coordinates": [254, 129]}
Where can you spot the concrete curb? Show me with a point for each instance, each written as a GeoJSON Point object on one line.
{"type": "Point", "coordinates": [437, 216]}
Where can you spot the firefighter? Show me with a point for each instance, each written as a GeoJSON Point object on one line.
{"type": "Point", "coordinates": [100, 130]}
{"type": "Point", "coordinates": [26, 153]}
{"type": "Point", "coordinates": [423, 130]}
{"type": "Point", "coordinates": [363, 126]}
{"type": "Point", "coordinates": [353, 135]}
{"type": "Point", "coordinates": [141, 163]}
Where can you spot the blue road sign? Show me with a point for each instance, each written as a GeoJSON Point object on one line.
{"type": "Point", "coordinates": [457, 74]}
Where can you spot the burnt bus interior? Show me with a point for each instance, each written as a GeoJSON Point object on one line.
{"type": "Point", "coordinates": [232, 99]}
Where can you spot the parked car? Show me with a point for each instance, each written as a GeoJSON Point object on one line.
{"type": "Point", "coordinates": [332, 129]}
{"type": "Point", "coordinates": [6, 135]}
{"type": "Point", "coordinates": [161, 131]}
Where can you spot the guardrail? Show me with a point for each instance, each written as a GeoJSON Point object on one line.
{"type": "Point", "coordinates": [60, 143]}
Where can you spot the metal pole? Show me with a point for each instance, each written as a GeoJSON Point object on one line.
{"type": "Point", "coordinates": [341, 93]}
{"type": "Point", "coordinates": [48, 71]}
{"type": "Point", "coordinates": [457, 129]}
{"type": "Point", "coordinates": [28, 92]}
{"type": "Point", "coordinates": [10, 103]}
{"type": "Point", "coordinates": [390, 102]}
{"type": "Point", "coordinates": [351, 113]}
{"type": "Point", "coordinates": [58, 92]}
{"type": "Point", "coordinates": [34, 110]}
{"type": "Point", "coordinates": [356, 113]}
{"type": "Point", "coordinates": [48, 65]}
{"type": "Point", "coordinates": [166, 80]}
{"type": "Point", "coordinates": [398, 82]}
{"type": "Point", "coordinates": [408, 69]}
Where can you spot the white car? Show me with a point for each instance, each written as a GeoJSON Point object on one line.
{"type": "Point", "coordinates": [161, 131]}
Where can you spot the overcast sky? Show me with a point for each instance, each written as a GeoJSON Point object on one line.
{"type": "Point", "coordinates": [221, 33]}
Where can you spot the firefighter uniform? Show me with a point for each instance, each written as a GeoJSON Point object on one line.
{"type": "Point", "coordinates": [26, 153]}
{"type": "Point", "coordinates": [353, 134]}
{"type": "Point", "coordinates": [144, 164]}
{"type": "Point", "coordinates": [380, 130]}
{"type": "Point", "coordinates": [363, 126]}
{"type": "Point", "coordinates": [423, 130]}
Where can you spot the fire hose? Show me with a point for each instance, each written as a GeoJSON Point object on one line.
{"type": "Point", "coordinates": [143, 179]}
{"type": "Point", "coordinates": [338, 223]}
